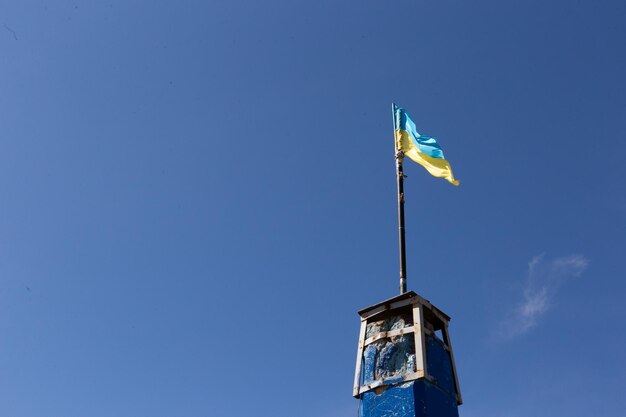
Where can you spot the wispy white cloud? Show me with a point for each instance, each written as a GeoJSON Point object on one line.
{"type": "Point", "coordinates": [544, 279]}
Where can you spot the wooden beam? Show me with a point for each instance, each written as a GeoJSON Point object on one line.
{"type": "Point", "coordinates": [359, 359]}
{"type": "Point", "coordinates": [388, 306]}
{"type": "Point", "coordinates": [446, 339]}
{"type": "Point", "coordinates": [420, 340]}
{"type": "Point", "coordinates": [388, 381]}
{"type": "Point", "coordinates": [390, 333]}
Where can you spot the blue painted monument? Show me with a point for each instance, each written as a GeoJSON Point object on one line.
{"type": "Point", "coordinates": [405, 365]}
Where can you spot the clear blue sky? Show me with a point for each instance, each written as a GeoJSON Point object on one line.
{"type": "Point", "coordinates": [196, 198]}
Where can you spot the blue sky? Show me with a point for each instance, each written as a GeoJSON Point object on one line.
{"type": "Point", "coordinates": [197, 197]}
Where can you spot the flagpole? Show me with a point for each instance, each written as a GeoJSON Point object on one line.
{"type": "Point", "coordinates": [400, 182]}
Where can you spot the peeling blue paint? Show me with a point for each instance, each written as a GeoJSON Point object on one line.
{"type": "Point", "coordinates": [388, 358]}
{"type": "Point", "coordinates": [395, 356]}
{"type": "Point", "coordinates": [439, 365]}
{"type": "Point", "coordinates": [397, 401]}
{"type": "Point", "coordinates": [412, 399]}
{"type": "Point", "coordinates": [369, 364]}
{"type": "Point", "coordinates": [391, 323]}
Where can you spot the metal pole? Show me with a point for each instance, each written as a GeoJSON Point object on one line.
{"type": "Point", "coordinates": [400, 180]}
{"type": "Point", "coordinates": [401, 242]}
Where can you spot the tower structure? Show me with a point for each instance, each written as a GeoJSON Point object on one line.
{"type": "Point", "coordinates": [405, 364]}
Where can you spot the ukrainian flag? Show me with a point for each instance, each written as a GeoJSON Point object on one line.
{"type": "Point", "coordinates": [422, 149]}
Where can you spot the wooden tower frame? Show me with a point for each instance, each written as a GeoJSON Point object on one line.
{"type": "Point", "coordinates": [428, 320]}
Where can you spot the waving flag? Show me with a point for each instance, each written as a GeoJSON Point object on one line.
{"type": "Point", "coordinates": [422, 149]}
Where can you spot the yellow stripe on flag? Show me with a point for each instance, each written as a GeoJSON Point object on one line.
{"type": "Point", "coordinates": [437, 167]}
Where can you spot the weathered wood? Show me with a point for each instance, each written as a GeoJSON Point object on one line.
{"type": "Point", "coordinates": [359, 359]}
{"type": "Point", "coordinates": [446, 339]}
{"type": "Point", "coordinates": [388, 306]}
{"type": "Point", "coordinates": [406, 378]}
{"type": "Point", "coordinates": [390, 333]}
{"type": "Point", "coordinates": [420, 340]}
